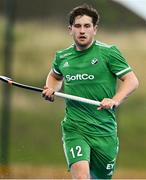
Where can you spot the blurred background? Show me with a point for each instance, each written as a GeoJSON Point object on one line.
{"type": "Point", "coordinates": [30, 134]}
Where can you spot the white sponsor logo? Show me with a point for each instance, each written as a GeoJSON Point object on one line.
{"type": "Point", "coordinates": [66, 64]}
{"type": "Point", "coordinates": [79, 77]}
{"type": "Point", "coordinates": [110, 166]}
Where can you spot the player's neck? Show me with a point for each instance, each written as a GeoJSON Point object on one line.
{"type": "Point", "coordinates": [81, 48]}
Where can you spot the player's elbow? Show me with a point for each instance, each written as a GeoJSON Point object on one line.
{"type": "Point", "coordinates": [132, 80]}
{"type": "Point", "coordinates": [135, 83]}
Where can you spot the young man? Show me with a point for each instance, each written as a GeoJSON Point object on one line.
{"type": "Point", "coordinates": [90, 69]}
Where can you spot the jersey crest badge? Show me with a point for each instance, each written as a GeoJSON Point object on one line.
{"type": "Point", "coordinates": [94, 61]}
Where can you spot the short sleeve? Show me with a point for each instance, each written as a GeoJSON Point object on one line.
{"type": "Point", "coordinates": [55, 65]}
{"type": "Point", "coordinates": [117, 63]}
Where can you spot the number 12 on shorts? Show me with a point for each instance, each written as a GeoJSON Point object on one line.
{"type": "Point", "coordinates": [76, 151]}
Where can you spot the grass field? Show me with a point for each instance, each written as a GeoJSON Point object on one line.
{"type": "Point", "coordinates": [54, 172]}
{"type": "Point", "coordinates": [35, 134]}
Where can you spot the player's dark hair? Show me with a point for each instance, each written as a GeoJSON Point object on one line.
{"type": "Point", "coordinates": [84, 9]}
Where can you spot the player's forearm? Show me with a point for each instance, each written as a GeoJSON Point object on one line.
{"type": "Point", "coordinates": [52, 82]}
{"type": "Point", "coordinates": [127, 86]}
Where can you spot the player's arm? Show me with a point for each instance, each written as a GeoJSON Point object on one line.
{"type": "Point", "coordinates": [129, 83]}
{"type": "Point", "coordinates": [53, 83]}
{"type": "Point", "coordinates": [127, 86]}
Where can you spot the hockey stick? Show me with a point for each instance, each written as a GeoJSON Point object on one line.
{"type": "Point", "coordinates": [59, 94]}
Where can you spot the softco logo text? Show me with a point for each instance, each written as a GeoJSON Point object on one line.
{"type": "Point", "coordinates": [79, 77]}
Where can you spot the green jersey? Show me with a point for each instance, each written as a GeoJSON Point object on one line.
{"type": "Point", "coordinates": [91, 73]}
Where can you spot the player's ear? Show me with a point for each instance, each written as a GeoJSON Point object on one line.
{"type": "Point", "coordinates": [95, 29]}
{"type": "Point", "coordinates": [70, 29]}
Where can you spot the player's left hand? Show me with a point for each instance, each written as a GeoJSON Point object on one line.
{"type": "Point", "coordinates": [108, 103]}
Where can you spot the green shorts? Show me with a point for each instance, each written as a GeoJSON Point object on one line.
{"type": "Point", "coordinates": [99, 151]}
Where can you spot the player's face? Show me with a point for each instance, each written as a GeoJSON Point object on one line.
{"type": "Point", "coordinates": [83, 31]}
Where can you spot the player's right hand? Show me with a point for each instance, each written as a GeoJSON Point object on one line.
{"type": "Point", "coordinates": [48, 94]}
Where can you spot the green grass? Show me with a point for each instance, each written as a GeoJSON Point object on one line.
{"type": "Point", "coordinates": [35, 130]}
{"type": "Point", "coordinates": [35, 135]}
{"type": "Point", "coordinates": [132, 133]}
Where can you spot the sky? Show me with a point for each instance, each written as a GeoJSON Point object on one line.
{"type": "Point", "coordinates": [137, 6]}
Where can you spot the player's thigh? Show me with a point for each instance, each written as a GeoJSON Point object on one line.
{"type": "Point", "coordinates": [80, 170]}
{"type": "Point", "coordinates": [76, 149]}
{"type": "Point", "coordinates": [103, 157]}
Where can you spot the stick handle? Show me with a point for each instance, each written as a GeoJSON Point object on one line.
{"type": "Point", "coordinates": [59, 94]}
{"type": "Point", "coordinates": [77, 98]}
